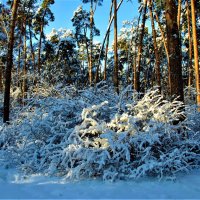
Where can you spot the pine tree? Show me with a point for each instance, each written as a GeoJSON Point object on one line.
{"type": "Point", "coordinates": [10, 62]}
{"type": "Point", "coordinates": [140, 49]}
{"type": "Point", "coordinates": [93, 6]}
{"type": "Point", "coordinates": [174, 49]}
{"type": "Point", "coordinates": [43, 17]}
{"type": "Point", "coordinates": [195, 46]}
{"type": "Point", "coordinates": [190, 67]}
{"type": "Point", "coordinates": [157, 57]}
{"type": "Point", "coordinates": [115, 77]}
{"type": "Point", "coordinates": [107, 46]}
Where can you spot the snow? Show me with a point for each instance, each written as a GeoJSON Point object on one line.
{"type": "Point", "coordinates": [13, 185]}
{"type": "Point", "coordinates": [62, 34]}
{"type": "Point", "coordinates": [95, 144]}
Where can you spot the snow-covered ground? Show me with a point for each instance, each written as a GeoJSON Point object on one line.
{"type": "Point", "coordinates": [16, 186]}
{"type": "Point", "coordinates": [87, 135]}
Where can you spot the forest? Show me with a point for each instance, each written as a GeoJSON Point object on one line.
{"type": "Point", "coordinates": [123, 108]}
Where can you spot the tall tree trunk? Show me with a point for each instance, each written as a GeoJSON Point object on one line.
{"type": "Point", "coordinates": [32, 51]}
{"type": "Point", "coordinates": [157, 64]}
{"type": "Point", "coordinates": [163, 36]}
{"type": "Point", "coordinates": [190, 67]}
{"type": "Point", "coordinates": [129, 55]}
{"type": "Point", "coordinates": [9, 62]}
{"type": "Point", "coordinates": [107, 32]}
{"type": "Point", "coordinates": [179, 24]}
{"type": "Point", "coordinates": [140, 49]}
{"type": "Point", "coordinates": [87, 47]}
{"type": "Point", "coordinates": [19, 60]}
{"type": "Point", "coordinates": [40, 41]}
{"type": "Point", "coordinates": [39, 49]}
{"type": "Point", "coordinates": [134, 69]}
{"type": "Point", "coordinates": [1, 76]}
{"type": "Point", "coordinates": [106, 50]}
{"type": "Point", "coordinates": [25, 66]}
{"type": "Point", "coordinates": [195, 46]}
{"type": "Point", "coordinates": [91, 42]}
{"type": "Point", "coordinates": [179, 13]}
{"type": "Point", "coordinates": [115, 77]}
{"type": "Point", "coordinates": [106, 58]}
{"type": "Point", "coordinates": [19, 56]}
{"type": "Point", "coordinates": [174, 49]}
{"type": "Point", "coordinates": [128, 72]}
{"type": "Point", "coordinates": [107, 46]}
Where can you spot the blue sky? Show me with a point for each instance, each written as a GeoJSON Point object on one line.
{"type": "Point", "coordinates": [63, 12]}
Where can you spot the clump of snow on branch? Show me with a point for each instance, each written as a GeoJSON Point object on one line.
{"type": "Point", "coordinates": [62, 35]}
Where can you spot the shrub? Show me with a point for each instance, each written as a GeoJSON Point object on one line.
{"type": "Point", "coordinates": [95, 133]}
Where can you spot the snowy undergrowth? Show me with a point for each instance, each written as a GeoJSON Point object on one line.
{"type": "Point", "coordinates": [95, 133]}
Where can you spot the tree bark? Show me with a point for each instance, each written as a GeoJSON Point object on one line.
{"type": "Point", "coordinates": [39, 49]}
{"type": "Point", "coordinates": [134, 69]}
{"type": "Point", "coordinates": [107, 32]}
{"type": "Point", "coordinates": [190, 67]}
{"type": "Point", "coordinates": [157, 63]}
{"type": "Point", "coordinates": [19, 60]}
{"type": "Point", "coordinates": [174, 49]}
{"type": "Point", "coordinates": [107, 46]}
{"type": "Point", "coordinates": [25, 66]}
{"type": "Point", "coordinates": [86, 45]}
{"type": "Point", "coordinates": [179, 13]}
{"type": "Point", "coordinates": [163, 36]}
{"type": "Point", "coordinates": [40, 42]}
{"type": "Point", "coordinates": [140, 49]}
{"type": "Point", "coordinates": [195, 46]}
{"type": "Point", "coordinates": [9, 63]}
{"type": "Point", "coordinates": [1, 76]}
{"type": "Point", "coordinates": [91, 43]}
{"type": "Point", "coordinates": [116, 71]}
{"type": "Point", "coordinates": [32, 51]}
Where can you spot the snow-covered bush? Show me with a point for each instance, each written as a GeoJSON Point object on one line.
{"type": "Point", "coordinates": [44, 121]}
{"type": "Point", "coordinates": [142, 141]}
{"type": "Point", "coordinates": [194, 118]}
{"type": "Point", "coordinates": [95, 133]}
